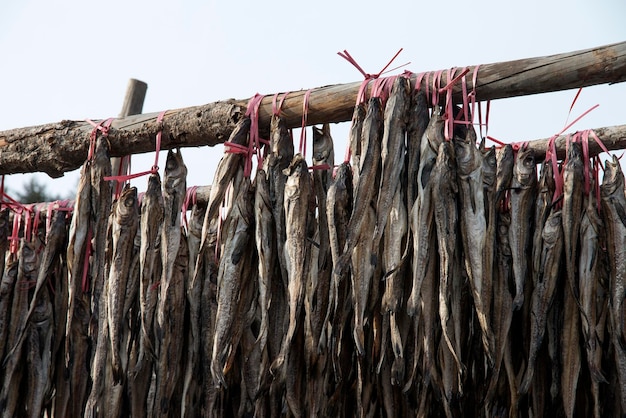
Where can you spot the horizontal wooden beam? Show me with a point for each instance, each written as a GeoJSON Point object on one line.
{"type": "Point", "coordinates": [60, 147]}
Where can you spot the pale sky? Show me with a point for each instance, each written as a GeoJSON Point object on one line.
{"type": "Point", "coordinates": [71, 59]}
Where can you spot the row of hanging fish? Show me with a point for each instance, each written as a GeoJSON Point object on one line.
{"type": "Point", "coordinates": [425, 276]}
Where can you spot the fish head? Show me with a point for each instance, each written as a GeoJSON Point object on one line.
{"type": "Point", "coordinates": [574, 151]}
{"type": "Point", "coordinates": [281, 141]}
{"type": "Point", "coordinates": [504, 160]}
{"type": "Point", "coordinates": [468, 158]}
{"type": "Point", "coordinates": [434, 130]}
{"type": "Point", "coordinates": [154, 184]}
{"type": "Point", "coordinates": [296, 173]}
{"type": "Point", "coordinates": [613, 177]}
{"type": "Point", "coordinates": [445, 157]}
{"type": "Point", "coordinates": [343, 171]}
{"type": "Point", "coordinates": [323, 151]}
{"type": "Point", "coordinates": [525, 167]}
{"type": "Point", "coordinates": [28, 258]}
{"type": "Point", "coordinates": [175, 169]}
{"type": "Point", "coordinates": [127, 203]}
{"type": "Point", "coordinates": [546, 178]}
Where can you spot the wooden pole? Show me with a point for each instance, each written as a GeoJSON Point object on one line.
{"type": "Point", "coordinates": [133, 105]}
{"type": "Point", "coordinates": [59, 147]}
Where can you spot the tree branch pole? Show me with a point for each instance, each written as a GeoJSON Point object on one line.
{"type": "Point", "coordinates": [133, 105]}
{"type": "Point", "coordinates": [60, 147]}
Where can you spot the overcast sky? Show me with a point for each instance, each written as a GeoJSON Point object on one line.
{"type": "Point", "coordinates": [72, 59]}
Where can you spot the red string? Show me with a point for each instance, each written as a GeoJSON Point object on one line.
{"type": "Point", "coordinates": [578, 118]}
{"type": "Point", "coordinates": [14, 238]}
{"type": "Point", "coordinates": [102, 126]}
{"type": "Point", "coordinates": [35, 226]}
{"type": "Point", "coordinates": [436, 83]}
{"type": "Point", "coordinates": [500, 143]}
{"type": "Point", "coordinates": [320, 167]}
{"type": "Point", "coordinates": [449, 114]}
{"type": "Point", "coordinates": [190, 195]}
{"type": "Point", "coordinates": [253, 143]}
{"type": "Point", "coordinates": [573, 103]}
{"type": "Point", "coordinates": [305, 116]}
{"type": "Point", "coordinates": [121, 179]}
{"type": "Point", "coordinates": [556, 173]}
{"type": "Point", "coordinates": [276, 109]}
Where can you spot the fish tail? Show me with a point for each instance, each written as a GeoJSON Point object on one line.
{"type": "Point", "coordinates": [528, 377]}
{"type": "Point", "coordinates": [359, 339]}
{"type": "Point", "coordinates": [397, 371]}
{"type": "Point", "coordinates": [218, 374]}
{"type": "Point", "coordinates": [277, 364]}
{"type": "Point", "coordinates": [412, 303]}
{"type": "Point", "coordinates": [518, 301]}
{"type": "Point", "coordinates": [596, 373]}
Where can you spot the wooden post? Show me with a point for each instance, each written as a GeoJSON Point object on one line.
{"type": "Point", "coordinates": [59, 147]}
{"type": "Point", "coordinates": [133, 105]}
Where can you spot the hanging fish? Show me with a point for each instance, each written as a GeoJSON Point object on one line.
{"type": "Point", "coordinates": [614, 210]}
{"type": "Point", "coordinates": [124, 228]}
{"type": "Point", "coordinates": [523, 196]}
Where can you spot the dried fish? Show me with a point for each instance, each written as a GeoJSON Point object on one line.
{"type": "Point", "coordinates": [281, 146]}
{"type": "Point", "coordinates": [296, 201]}
{"type": "Point", "coordinates": [447, 224]}
{"type": "Point", "coordinates": [238, 236]}
{"type": "Point", "coordinates": [474, 230]}
{"type": "Point", "coordinates": [318, 287]}
{"type": "Point", "coordinates": [417, 122]}
{"type": "Point", "coordinates": [543, 292]}
{"type": "Point", "coordinates": [366, 186]}
{"type": "Point", "coordinates": [123, 230]}
{"type": "Point", "coordinates": [505, 159]}
{"type": "Point", "coordinates": [614, 210]}
{"type": "Point", "coordinates": [392, 155]}
{"type": "Point", "coordinates": [101, 201]}
{"type": "Point", "coordinates": [266, 248]}
{"type": "Point", "coordinates": [591, 269]}
{"type": "Point", "coordinates": [13, 373]}
{"type": "Point", "coordinates": [573, 180]}
{"type": "Point", "coordinates": [169, 324]}
{"type": "Point", "coordinates": [224, 174]}
{"type": "Point", "coordinates": [422, 212]}
{"type": "Point", "coordinates": [523, 195]}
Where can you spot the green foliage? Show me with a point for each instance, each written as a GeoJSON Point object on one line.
{"type": "Point", "coordinates": [35, 192]}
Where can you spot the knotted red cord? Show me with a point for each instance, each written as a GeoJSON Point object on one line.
{"type": "Point", "coordinates": [14, 237]}
{"type": "Point", "coordinates": [253, 143]}
{"type": "Point", "coordinates": [276, 109]}
{"type": "Point", "coordinates": [556, 172]}
{"type": "Point", "coordinates": [190, 197]}
{"type": "Point", "coordinates": [103, 126]}
{"type": "Point", "coordinates": [449, 113]}
{"type": "Point", "coordinates": [305, 116]}
{"type": "Point", "coordinates": [361, 95]}
{"type": "Point", "coordinates": [155, 167]}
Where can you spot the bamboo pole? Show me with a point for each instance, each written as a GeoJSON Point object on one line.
{"type": "Point", "coordinates": [60, 147]}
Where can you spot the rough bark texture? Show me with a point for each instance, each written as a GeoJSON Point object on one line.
{"type": "Point", "coordinates": [59, 147]}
